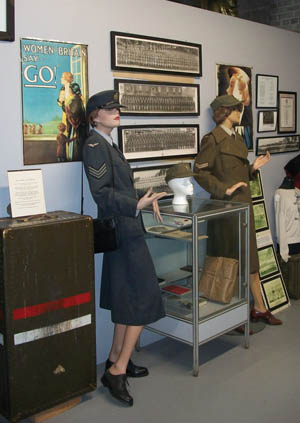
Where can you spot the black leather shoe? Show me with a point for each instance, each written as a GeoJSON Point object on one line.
{"type": "Point", "coordinates": [117, 387]}
{"type": "Point", "coordinates": [132, 370]}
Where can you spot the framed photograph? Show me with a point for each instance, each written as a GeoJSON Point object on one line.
{"type": "Point", "coordinates": [260, 216]}
{"type": "Point", "coordinates": [237, 80]}
{"type": "Point", "coordinates": [144, 98]}
{"type": "Point", "coordinates": [266, 91]}
{"type": "Point", "coordinates": [287, 111]}
{"type": "Point", "coordinates": [264, 238]}
{"type": "Point", "coordinates": [267, 120]}
{"type": "Point", "coordinates": [277, 144]}
{"type": "Point", "coordinates": [275, 293]}
{"type": "Point", "coordinates": [141, 53]}
{"type": "Point", "coordinates": [7, 20]}
{"type": "Point", "coordinates": [152, 177]}
{"type": "Point", "coordinates": [148, 142]}
{"type": "Point", "coordinates": [54, 80]}
{"type": "Point", "coordinates": [268, 265]}
{"type": "Point", "coordinates": [256, 188]}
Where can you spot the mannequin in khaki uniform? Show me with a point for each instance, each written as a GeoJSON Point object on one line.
{"type": "Point", "coordinates": [224, 171]}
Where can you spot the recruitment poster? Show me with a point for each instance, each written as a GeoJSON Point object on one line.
{"type": "Point", "coordinates": [54, 96]}
{"type": "Point", "coordinates": [237, 81]}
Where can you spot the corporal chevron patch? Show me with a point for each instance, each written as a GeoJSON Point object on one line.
{"type": "Point", "coordinates": [98, 173]}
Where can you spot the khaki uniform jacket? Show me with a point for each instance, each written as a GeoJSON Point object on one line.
{"type": "Point", "coordinates": [221, 163]}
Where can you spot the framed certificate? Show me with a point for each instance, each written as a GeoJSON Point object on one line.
{"type": "Point", "coordinates": [275, 294]}
{"type": "Point", "coordinates": [256, 188]}
{"type": "Point", "coordinates": [260, 216]}
{"type": "Point", "coordinates": [287, 104]}
{"type": "Point", "coordinates": [266, 91]}
{"type": "Point", "coordinates": [268, 265]}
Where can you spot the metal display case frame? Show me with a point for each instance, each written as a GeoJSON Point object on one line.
{"type": "Point", "coordinates": [200, 330]}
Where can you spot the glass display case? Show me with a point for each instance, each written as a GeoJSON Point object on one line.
{"type": "Point", "coordinates": [200, 252]}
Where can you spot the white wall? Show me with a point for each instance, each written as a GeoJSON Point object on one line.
{"type": "Point", "coordinates": [224, 40]}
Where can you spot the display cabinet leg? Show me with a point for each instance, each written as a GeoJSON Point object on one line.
{"type": "Point", "coordinates": [195, 360]}
{"type": "Point", "coordinates": [247, 338]}
{"type": "Point", "coordinates": [52, 412]}
{"type": "Point", "coordinates": [196, 371]}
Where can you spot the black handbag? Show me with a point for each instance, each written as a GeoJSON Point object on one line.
{"type": "Point", "coordinates": [106, 236]}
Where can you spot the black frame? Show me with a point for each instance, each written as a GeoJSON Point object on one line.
{"type": "Point", "coordinates": [161, 151]}
{"type": "Point", "coordinates": [257, 203]}
{"type": "Point", "coordinates": [9, 34]}
{"type": "Point", "coordinates": [275, 79]}
{"type": "Point", "coordinates": [162, 188]}
{"type": "Point", "coordinates": [274, 272]}
{"type": "Point", "coordinates": [272, 149]}
{"type": "Point", "coordinates": [155, 87]}
{"type": "Point", "coordinates": [284, 303]}
{"type": "Point", "coordinates": [159, 188]}
{"type": "Point", "coordinates": [179, 45]}
{"type": "Point", "coordinates": [260, 114]}
{"type": "Point", "coordinates": [291, 95]}
{"type": "Point", "coordinates": [258, 181]}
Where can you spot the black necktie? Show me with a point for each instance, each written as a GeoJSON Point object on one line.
{"type": "Point", "coordinates": [118, 151]}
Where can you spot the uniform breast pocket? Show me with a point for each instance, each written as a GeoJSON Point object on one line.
{"type": "Point", "coordinates": [230, 162]}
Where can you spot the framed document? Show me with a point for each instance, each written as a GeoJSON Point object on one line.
{"type": "Point", "coordinates": [287, 116]}
{"type": "Point", "coordinates": [266, 121]}
{"type": "Point", "coordinates": [268, 265]}
{"type": "Point", "coordinates": [152, 177]}
{"type": "Point", "coordinates": [277, 144]}
{"type": "Point", "coordinates": [141, 53]}
{"type": "Point", "coordinates": [275, 293]}
{"type": "Point", "coordinates": [144, 98]}
{"type": "Point", "coordinates": [7, 20]}
{"type": "Point", "coordinates": [266, 91]}
{"type": "Point", "coordinates": [148, 142]}
{"type": "Point", "coordinates": [256, 188]}
{"type": "Point", "coordinates": [260, 216]}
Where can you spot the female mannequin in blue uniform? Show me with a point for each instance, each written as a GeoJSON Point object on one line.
{"type": "Point", "coordinates": [129, 286]}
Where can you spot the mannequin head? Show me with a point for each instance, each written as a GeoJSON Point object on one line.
{"type": "Point", "coordinates": [178, 177]}
{"type": "Point", "coordinates": [181, 188]}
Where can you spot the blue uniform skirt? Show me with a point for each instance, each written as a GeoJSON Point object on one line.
{"type": "Point", "coordinates": [129, 286]}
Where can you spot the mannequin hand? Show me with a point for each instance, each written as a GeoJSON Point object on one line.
{"type": "Point", "coordinates": [234, 187]}
{"type": "Point", "coordinates": [156, 211]}
{"type": "Point", "coordinates": [151, 198]}
{"type": "Point", "coordinates": [261, 161]}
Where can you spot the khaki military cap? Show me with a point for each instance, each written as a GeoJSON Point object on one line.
{"type": "Point", "coordinates": [224, 101]}
{"type": "Point", "coordinates": [179, 170]}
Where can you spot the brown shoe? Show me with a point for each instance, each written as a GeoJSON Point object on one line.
{"type": "Point", "coordinates": [267, 317]}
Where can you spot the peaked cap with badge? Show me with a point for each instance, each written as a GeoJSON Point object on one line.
{"type": "Point", "coordinates": [108, 99]}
